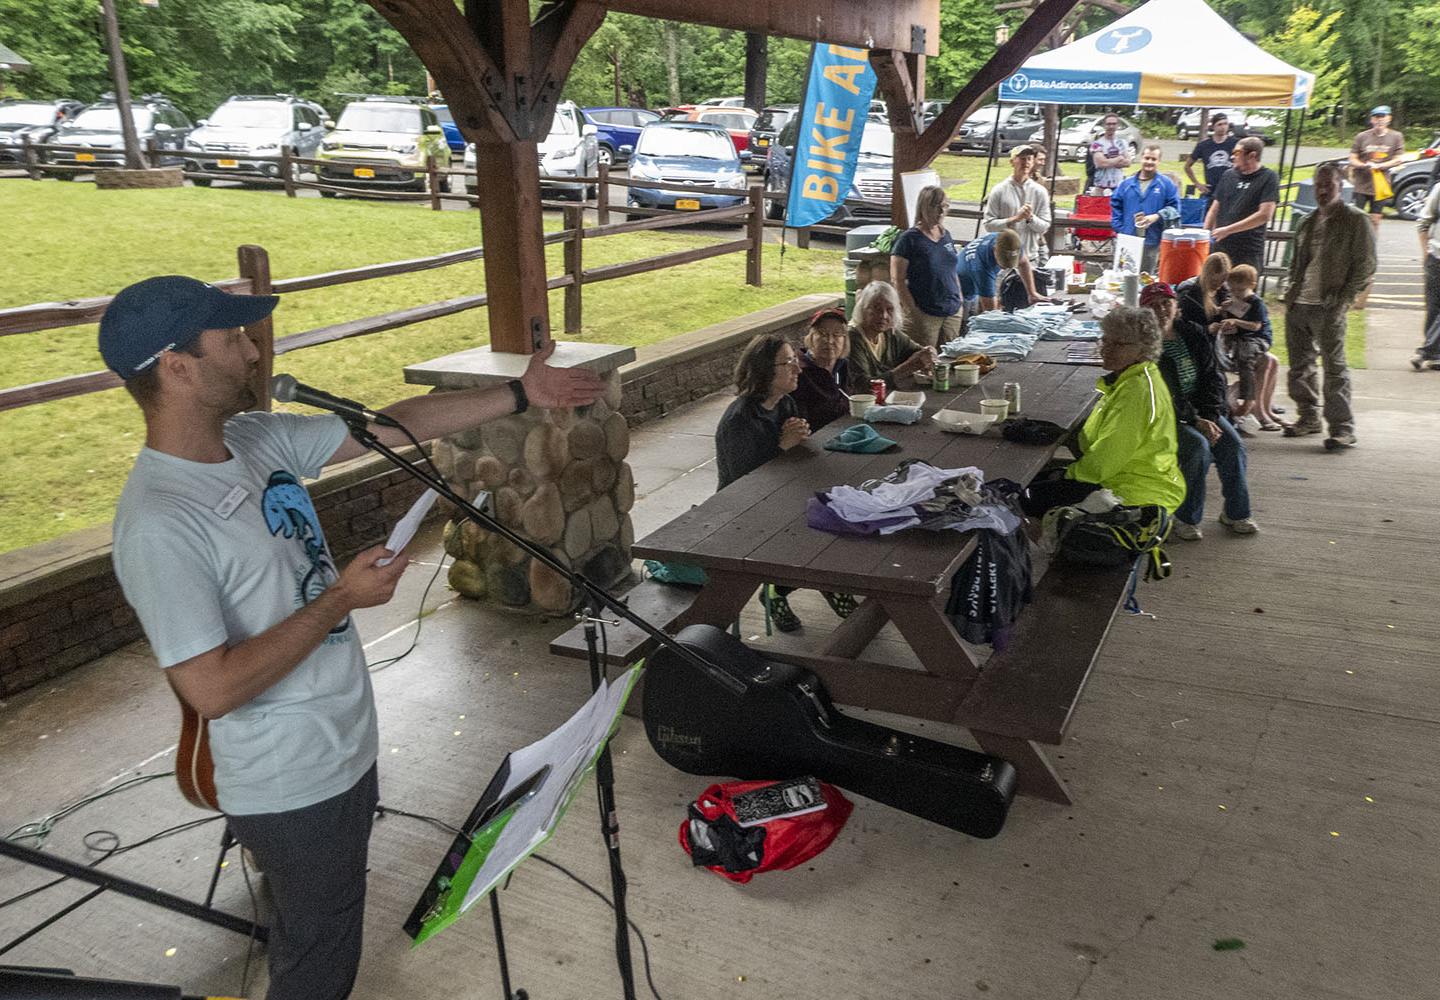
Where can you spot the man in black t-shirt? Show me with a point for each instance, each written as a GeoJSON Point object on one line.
{"type": "Point", "coordinates": [1243, 204]}
{"type": "Point", "coordinates": [1213, 154]}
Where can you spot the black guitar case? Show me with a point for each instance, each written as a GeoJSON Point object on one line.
{"type": "Point", "coordinates": [778, 722]}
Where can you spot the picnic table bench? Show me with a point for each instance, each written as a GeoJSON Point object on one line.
{"type": "Point", "coordinates": [754, 532]}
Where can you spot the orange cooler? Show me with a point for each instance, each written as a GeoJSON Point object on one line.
{"type": "Point", "coordinates": [1182, 252]}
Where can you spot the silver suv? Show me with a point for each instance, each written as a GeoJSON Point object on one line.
{"type": "Point", "coordinates": [253, 125]}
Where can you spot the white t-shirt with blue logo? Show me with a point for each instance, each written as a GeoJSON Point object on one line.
{"type": "Point", "coordinates": [213, 554]}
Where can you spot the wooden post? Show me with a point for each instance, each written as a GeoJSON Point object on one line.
{"type": "Point", "coordinates": [574, 265]}
{"type": "Point", "coordinates": [756, 223]}
{"type": "Point", "coordinates": [433, 181]}
{"type": "Point", "coordinates": [802, 238]}
{"type": "Point", "coordinates": [255, 265]}
{"type": "Point", "coordinates": [602, 195]}
{"type": "Point", "coordinates": [287, 169]}
{"type": "Point", "coordinates": [150, 158]}
{"type": "Point", "coordinates": [31, 158]}
{"type": "Point", "coordinates": [518, 302]}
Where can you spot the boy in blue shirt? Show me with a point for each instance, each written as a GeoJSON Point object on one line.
{"type": "Point", "coordinates": [979, 267]}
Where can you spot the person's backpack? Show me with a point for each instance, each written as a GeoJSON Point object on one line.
{"type": "Point", "coordinates": [1115, 538]}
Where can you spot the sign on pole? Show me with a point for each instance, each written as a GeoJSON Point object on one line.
{"type": "Point", "coordinates": [832, 119]}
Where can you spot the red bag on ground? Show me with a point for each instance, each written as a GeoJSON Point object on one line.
{"type": "Point", "coordinates": [734, 830]}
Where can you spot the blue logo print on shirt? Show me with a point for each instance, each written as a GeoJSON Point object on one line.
{"type": "Point", "coordinates": [290, 513]}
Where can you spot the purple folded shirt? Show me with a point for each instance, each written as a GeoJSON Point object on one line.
{"type": "Point", "coordinates": [819, 516]}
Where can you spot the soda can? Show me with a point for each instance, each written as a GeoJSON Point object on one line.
{"type": "Point", "coordinates": [1012, 396]}
{"type": "Point", "coordinates": [941, 378]}
{"type": "Point", "coordinates": [877, 386]}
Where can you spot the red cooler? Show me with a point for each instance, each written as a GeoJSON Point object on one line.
{"type": "Point", "coordinates": [1182, 253]}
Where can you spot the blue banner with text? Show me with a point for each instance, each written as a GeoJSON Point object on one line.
{"type": "Point", "coordinates": [837, 102]}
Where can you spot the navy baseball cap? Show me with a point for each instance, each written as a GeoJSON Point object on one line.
{"type": "Point", "coordinates": [166, 313]}
{"type": "Point", "coordinates": [1380, 109]}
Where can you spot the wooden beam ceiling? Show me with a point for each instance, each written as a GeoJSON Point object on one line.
{"type": "Point", "coordinates": [861, 23]}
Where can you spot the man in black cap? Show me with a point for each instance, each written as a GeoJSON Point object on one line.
{"type": "Point", "coordinates": [219, 550]}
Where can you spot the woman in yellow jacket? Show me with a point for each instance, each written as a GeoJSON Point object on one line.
{"type": "Point", "coordinates": [1128, 442]}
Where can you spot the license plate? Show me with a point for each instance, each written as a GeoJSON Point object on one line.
{"type": "Point", "coordinates": [762, 142]}
{"type": "Point", "coordinates": [364, 172]}
{"type": "Point", "coordinates": [84, 157]}
{"type": "Point", "coordinates": [689, 204]}
{"type": "Point", "coordinates": [227, 163]}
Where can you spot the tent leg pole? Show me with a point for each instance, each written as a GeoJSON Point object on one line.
{"type": "Point", "coordinates": [989, 162]}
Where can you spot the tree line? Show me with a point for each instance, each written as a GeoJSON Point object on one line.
{"type": "Point", "coordinates": [198, 52]}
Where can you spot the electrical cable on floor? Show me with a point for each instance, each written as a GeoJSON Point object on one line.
{"type": "Point", "coordinates": [383, 810]}
{"type": "Point", "coordinates": [40, 829]}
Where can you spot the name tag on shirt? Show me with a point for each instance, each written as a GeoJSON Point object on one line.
{"type": "Point", "coordinates": [232, 501]}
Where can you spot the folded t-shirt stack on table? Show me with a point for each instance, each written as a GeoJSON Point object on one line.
{"type": "Point", "coordinates": [916, 494]}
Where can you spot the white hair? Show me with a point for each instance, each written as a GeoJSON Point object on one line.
{"type": "Point", "coordinates": [877, 290]}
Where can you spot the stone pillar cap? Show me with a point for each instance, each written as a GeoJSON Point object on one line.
{"type": "Point", "coordinates": [483, 366]}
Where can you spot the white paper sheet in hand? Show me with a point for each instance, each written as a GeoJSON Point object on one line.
{"type": "Point", "coordinates": [406, 527]}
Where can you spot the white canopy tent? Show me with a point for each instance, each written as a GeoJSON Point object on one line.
{"type": "Point", "coordinates": [1165, 52]}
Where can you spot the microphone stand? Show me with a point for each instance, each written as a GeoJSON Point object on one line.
{"type": "Point", "coordinates": [595, 598]}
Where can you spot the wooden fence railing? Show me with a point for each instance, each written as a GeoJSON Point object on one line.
{"type": "Point", "coordinates": [254, 278]}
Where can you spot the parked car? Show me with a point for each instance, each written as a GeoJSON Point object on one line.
{"type": "Point", "coordinates": [869, 197]}
{"type": "Point", "coordinates": [1078, 131]}
{"type": "Point", "coordinates": [453, 138]}
{"type": "Point", "coordinates": [680, 153]}
{"type": "Point", "coordinates": [723, 102]}
{"type": "Point", "coordinates": [35, 120]}
{"type": "Point", "coordinates": [391, 137]}
{"type": "Point", "coordinates": [766, 128]}
{"type": "Point", "coordinates": [1016, 123]}
{"type": "Point", "coordinates": [570, 150]}
{"type": "Point", "coordinates": [617, 130]}
{"type": "Point", "coordinates": [737, 121]}
{"type": "Point", "coordinates": [97, 129]}
{"type": "Point", "coordinates": [253, 125]}
{"type": "Point", "coordinates": [1242, 123]}
{"type": "Point", "coordinates": [1412, 181]}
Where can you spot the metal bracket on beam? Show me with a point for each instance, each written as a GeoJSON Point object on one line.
{"type": "Point", "coordinates": [917, 38]}
{"type": "Point", "coordinates": [537, 332]}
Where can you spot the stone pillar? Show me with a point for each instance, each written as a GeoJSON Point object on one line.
{"type": "Point", "coordinates": [559, 478]}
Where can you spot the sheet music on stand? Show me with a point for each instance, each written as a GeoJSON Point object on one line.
{"type": "Point", "coordinates": [519, 810]}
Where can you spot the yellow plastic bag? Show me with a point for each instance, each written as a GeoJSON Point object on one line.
{"type": "Point", "coordinates": [1383, 190]}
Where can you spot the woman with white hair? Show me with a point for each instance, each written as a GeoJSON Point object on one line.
{"type": "Point", "coordinates": [922, 269]}
{"type": "Point", "coordinates": [1128, 442]}
{"type": "Point", "coordinates": [877, 348]}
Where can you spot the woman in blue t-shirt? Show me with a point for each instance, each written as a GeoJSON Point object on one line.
{"type": "Point", "coordinates": [922, 269]}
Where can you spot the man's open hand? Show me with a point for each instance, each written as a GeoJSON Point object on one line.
{"type": "Point", "coordinates": [559, 387]}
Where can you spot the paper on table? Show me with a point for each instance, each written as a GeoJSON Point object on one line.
{"type": "Point", "coordinates": [406, 527]}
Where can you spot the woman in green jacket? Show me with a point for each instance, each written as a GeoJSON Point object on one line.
{"type": "Point", "coordinates": [1128, 442]}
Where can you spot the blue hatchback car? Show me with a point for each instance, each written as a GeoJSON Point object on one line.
{"type": "Point", "coordinates": [680, 153]}
{"type": "Point", "coordinates": [453, 138]}
{"type": "Point", "coordinates": [618, 130]}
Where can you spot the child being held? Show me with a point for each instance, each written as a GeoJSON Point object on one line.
{"type": "Point", "coordinates": [1246, 336]}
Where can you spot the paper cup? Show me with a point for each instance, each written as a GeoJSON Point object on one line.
{"type": "Point", "coordinates": [999, 407]}
{"type": "Point", "coordinates": [964, 374]}
{"type": "Point", "coordinates": [860, 404]}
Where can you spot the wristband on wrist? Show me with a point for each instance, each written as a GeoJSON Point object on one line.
{"type": "Point", "coordinates": [522, 401]}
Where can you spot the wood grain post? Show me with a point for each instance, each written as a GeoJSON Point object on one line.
{"type": "Point", "coordinates": [255, 265]}
{"type": "Point", "coordinates": [755, 221]}
{"type": "Point", "coordinates": [150, 158]}
{"type": "Point", "coordinates": [31, 158]}
{"type": "Point", "coordinates": [802, 237]}
{"type": "Point", "coordinates": [602, 195]}
{"type": "Point", "coordinates": [518, 302]}
{"type": "Point", "coordinates": [287, 169]}
{"type": "Point", "coordinates": [574, 265]}
{"type": "Point", "coordinates": [433, 180]}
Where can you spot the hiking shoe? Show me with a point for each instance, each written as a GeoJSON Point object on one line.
{"type": "Point", "coordinates": [1188, 532]}
{"type": "Point", "coordinates": [1418, 363]}
{"type": "Point", "coordinates": [1301, 428]}
{"type": "Point", "coordinates": [777, 606]}
{"type": "Point", "coordinates": [1240, 525]}
{"type": "Point", "coordinates": [1339, 442]}
{"type": "Point", "coordinates": [843, 605]}
{"type": "Point", "coordinates": [1433, 366]}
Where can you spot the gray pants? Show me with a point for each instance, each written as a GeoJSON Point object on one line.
{"type": "Point", "coordinates": [1430, 349]}
{"type": "Point", "coordinates": [314, 861]}
{"type": "Point", "coordinates": [1312, 331]}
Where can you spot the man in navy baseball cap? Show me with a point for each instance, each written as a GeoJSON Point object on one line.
{"type": "Point", "coordinates": [169, 313]}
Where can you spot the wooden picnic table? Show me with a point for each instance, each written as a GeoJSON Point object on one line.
{"type": "Point", "coordinates": [754, 532]}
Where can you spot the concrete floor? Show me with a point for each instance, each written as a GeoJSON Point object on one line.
{"type": "Point", "coordinates": [1254, 763]}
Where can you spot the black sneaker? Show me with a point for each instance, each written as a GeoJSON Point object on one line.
{"type": "Point", "coordinates": [1338, 442]}
{"type": "Point", "coordinates": [843, 605]}
{"type": "Point", "coordinates": [777, 607]}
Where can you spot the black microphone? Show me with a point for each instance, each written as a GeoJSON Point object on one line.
{"type": "Point", "coordinates": [287, 390]}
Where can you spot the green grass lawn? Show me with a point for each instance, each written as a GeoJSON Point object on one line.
{"type": "Point", "coordinates": [64, 462]}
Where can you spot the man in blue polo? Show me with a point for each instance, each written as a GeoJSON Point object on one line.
{"type": "Point", "coordinates": [1144, 205]}
{"type": "Point", "coordinates": [979, 267]}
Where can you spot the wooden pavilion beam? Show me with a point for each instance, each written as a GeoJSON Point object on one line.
{"type": "Point", "coordinates": [861, 23]}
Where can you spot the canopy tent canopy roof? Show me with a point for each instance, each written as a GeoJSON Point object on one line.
{"type": "Point", "coordinates": [1165, 52]}
{"type": "Point", "coordinates": [12, 60]}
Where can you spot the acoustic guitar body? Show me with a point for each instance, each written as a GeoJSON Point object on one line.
{"type": "Point", "coordinates": [194, 768]}
{"type": "Point", "coordinates": [784, 726]}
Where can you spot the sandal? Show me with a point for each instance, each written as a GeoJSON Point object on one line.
{"type": "Point", "coordinates": [777, 609]}
{"type": "Point", "coordinates": [1271, 427]}
{"type": "Point", "coordinates": [843, 605]}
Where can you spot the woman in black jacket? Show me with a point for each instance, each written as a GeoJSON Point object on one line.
{"type": "Point", "coordinates": [1205, 435]}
